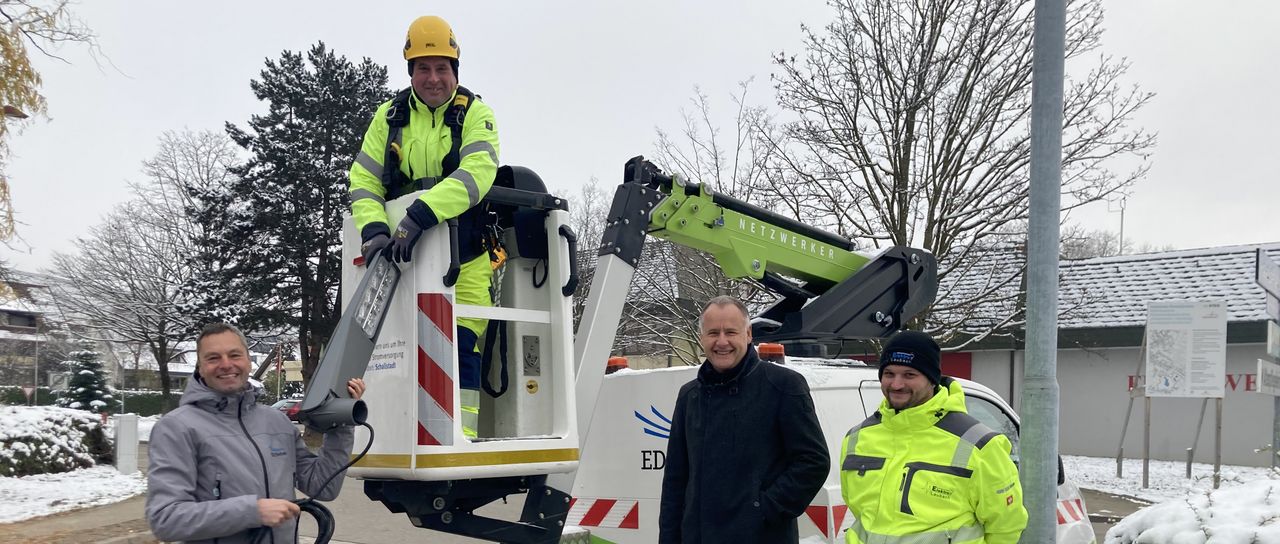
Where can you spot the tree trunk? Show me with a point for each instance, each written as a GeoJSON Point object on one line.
{"type": "Point", "coordinates": [161, 355]}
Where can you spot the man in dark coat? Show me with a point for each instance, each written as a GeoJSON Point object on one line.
{"type": "Point", "coordinates": [746, 454]}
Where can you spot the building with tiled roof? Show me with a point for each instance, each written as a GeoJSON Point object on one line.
{"type": "Point", "coordinates": [1103, 311]}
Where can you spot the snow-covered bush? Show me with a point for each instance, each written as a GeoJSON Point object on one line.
{"type": "Point", "coordinates": [88, 389]}
{"type": "Point", "coordinates": [1244, 513]}
{"type": "Point", "coordinates": [44, 439]}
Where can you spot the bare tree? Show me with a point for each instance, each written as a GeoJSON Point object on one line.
{"type": "Point", "coordinates": [673, 282]}
{"type": "Point", "coordinates": [1079, 243]}
{"type": "Point", "coordinates": [913, 129]}
{"type": "Point", "coordinates": [118, 286]}
{"type": "Point", "coordinates": [126, 281]}
{"type": "Point", "coordinates": [588, 211]}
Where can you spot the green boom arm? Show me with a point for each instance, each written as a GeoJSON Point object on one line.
{"type": "Point", "coordinates": [844, 294]}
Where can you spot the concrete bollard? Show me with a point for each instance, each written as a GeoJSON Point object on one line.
{"type": "Point", "coordinates": [126, 443]}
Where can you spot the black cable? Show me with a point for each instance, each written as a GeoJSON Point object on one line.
{"type": "Point", "coordinates": [324, 518]}
{"type": "Point", "coordinates": [547, 272]}
{"type": "Point", "coordinates": [353, 460]}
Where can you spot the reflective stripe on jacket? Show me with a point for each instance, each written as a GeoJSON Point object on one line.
{"type": "Point", "coordinates": [424, 142]}
{"type": "Point", "coordinates": [930, 474]}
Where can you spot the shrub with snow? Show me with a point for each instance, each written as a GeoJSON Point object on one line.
{"type": "Point", "coordinates": [44, 439]}
{"type": "Point", "coordinates": [1247, 513]}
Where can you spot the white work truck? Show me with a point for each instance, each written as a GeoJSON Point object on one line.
{"type": "Point", "coordinates": [582, 449]}
{"type": "Point", "coordinates": [619, 485]}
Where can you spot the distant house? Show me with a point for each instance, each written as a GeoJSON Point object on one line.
{"type": "Point", "coordinates": [1099, 355]}
{"type": "Point", "coordinates": [140, 371]}
{"type": "Point", "coordinates": [25, 304]}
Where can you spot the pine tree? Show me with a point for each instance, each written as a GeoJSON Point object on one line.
{"type": "Point", "coordinates": [271, 259]}
{"type": "Point", "coordinates": [88, 389]}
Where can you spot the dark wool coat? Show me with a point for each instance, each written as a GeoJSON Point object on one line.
{"type": "Point", "coordinates": [745, 457]}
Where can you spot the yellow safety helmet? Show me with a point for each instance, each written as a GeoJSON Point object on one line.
{"type": "Point", "coordinates": [430, 36]}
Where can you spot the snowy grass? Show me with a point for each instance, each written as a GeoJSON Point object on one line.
{"type": "Point", "coordinates": [1167, 479]}
{"type": "Point", "coordinates": [43, 494]}
{"type": "Point", "coordinates": [38, 495]}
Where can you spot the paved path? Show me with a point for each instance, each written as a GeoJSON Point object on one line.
{"type": "Point", "coordinates": [1105, 510]}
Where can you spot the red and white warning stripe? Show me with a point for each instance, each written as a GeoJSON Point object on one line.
{"type": "Point", "coordinates": [1070, 511]}
{"type": "Point", "coordinates": [435, 369]}
{"type": "Point", "coordinates": [606, 513]}
{"type": "Point", "coordinates": [827, 525]}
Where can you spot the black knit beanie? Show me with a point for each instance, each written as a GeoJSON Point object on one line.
{"type": "Point", "coordinates": [916, 350]}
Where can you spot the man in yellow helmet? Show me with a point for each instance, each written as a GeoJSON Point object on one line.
{"type": "Point", "coordinates": [438, 136]}
{"type": "Point", "coordinates": [921, 469]}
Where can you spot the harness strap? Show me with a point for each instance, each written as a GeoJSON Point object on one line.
{"type": "Point", "coordinates": [495, 330]}
{"type": "Point", "coordinates": [393, 180]}
{"type": "Point", "coordinates": [454, 119]}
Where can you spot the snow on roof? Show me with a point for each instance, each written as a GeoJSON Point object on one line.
{"type": "Point", "coordinates": [27, 293]}
{"type": "Point", "coordinates": [1109, 292]}
{"type": "Point", "coordinates": [1119, 288]}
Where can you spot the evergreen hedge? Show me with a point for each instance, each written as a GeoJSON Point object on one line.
{"type": "Point", "coordinates": [141, 402]}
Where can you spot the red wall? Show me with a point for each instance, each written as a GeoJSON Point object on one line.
{"type": "Point", "coordinates": [958, 365]}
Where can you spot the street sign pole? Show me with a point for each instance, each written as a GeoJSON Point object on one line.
{"type": "Point", "coordinates": [1267, 274]}
{"type": "Point", "coordinates": [1269, 384]}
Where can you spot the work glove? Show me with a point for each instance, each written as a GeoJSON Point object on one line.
{"type": "Point", "coordinates": [404, 238]}
{"type": "Point", "coordinates": [373, 247]}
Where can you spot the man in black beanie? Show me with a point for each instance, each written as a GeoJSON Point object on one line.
{"type": "Point", "coordinates": [921, 469]}
{"type": "Point", "coordinates": [910, 369]}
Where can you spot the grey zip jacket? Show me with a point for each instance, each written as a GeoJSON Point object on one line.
{"type": "Point", "coordinates": [210, 457]}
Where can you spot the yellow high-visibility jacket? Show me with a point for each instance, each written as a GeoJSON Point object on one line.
{"type": "Point", "coordinates": [931, 473]}
{"type": "Point", "coordinates": [423, 145]}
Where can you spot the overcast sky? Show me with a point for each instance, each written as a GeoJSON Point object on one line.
{"type": "Point", "coordinates": [579, 87]}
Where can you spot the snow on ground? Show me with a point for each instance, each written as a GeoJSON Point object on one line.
{"type": "Point", "coordinates": [1242, 513]}
{"type": "Point", "coordinates": [1167, 480]}
{"type": "Point", "coordinates": [43, 494]}
{"type": "Point", "coordinates": [1243, 510]}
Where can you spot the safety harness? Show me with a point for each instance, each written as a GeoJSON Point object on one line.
{"type": "Point", "coordinates": [477, 230]}
{"type": "Point", "coordinates": [396, 182]}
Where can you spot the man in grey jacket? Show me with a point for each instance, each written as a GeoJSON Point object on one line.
{"type": "Point", "coordinates": [223, 467]}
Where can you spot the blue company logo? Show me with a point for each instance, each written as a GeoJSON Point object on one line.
{"type": "Point", "coordinates": [277, 449]}
{"type": "Point", "coordinates": [651, 428]}
{"type": "Point", "coordinates": [901, 357]}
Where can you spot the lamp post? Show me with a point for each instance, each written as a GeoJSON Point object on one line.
{"type": "Point", "coordinates": [15, 113]}
{"type": "Point", "coordinates": [35, 391]}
